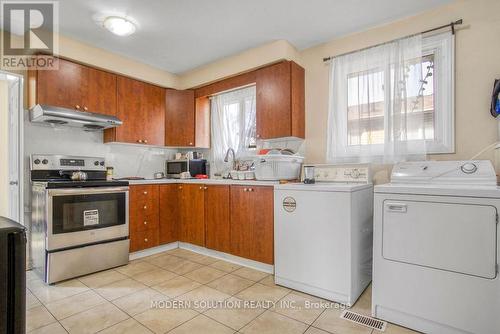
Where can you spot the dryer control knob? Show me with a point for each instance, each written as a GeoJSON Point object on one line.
{"type": "Point", "coordinates": [469, 168]}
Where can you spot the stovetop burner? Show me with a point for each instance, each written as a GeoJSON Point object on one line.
{"type": "Point", "coordinates": [57, 170]}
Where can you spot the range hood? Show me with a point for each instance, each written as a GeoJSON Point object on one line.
{"type": "Point", "coordinates": [57, 116]}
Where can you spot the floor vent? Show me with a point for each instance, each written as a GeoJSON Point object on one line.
{"type": "Point", "coordinates": [364, 320]}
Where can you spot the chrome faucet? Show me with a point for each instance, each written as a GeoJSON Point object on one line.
{"type": "Point", "coordinates": [226, 158]}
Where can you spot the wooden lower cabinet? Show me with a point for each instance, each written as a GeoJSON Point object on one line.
{"type": "Point", "coordinates": [252, 223]}
{"type": "Point", "coordinates": [169, 213]}
{"type": "Point", "coordinates": [143, 216]}
{"type": "Point", "coordinates": [238, 220]}
{"type": "Point", "coordinates": [192, 214]}
{"type": "Point", "coordinates": [217, 218]}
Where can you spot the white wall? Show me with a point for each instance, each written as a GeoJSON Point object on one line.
{"type": "Point", "coordinates": [127, 160]}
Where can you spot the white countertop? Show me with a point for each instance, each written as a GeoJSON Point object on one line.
{"type": "Point", "coordinates": [205, 181]}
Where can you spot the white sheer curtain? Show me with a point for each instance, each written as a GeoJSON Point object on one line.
{"type": "Point", "coordinates": [233, 125]}
{"type": "Point", "coordinates": [375, 104]}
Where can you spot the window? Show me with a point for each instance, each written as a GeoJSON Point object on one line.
{"type": "Point", "coordinates": [233, 124]}
{"type": "Point", "coordinates": [392, 94]}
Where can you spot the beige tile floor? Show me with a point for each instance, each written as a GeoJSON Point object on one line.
{"type": "Point", "coordinates": [194, 294]}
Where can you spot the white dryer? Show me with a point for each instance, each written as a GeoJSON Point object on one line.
{"type": "Point", "coordinates": [436, 248]}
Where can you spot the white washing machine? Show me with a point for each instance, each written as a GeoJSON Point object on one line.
{"type": "Point", "coordinates": [323, 233]}
{"type": "Point", "coordinates": [436, 248]}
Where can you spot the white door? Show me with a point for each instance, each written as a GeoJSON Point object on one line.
{"type": "Point", "coordinates": [442, 235]}
{"type": "Point", "coordinates": [11, 117]}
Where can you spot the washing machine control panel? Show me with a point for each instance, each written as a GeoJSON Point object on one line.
{"type": "Point", "coordinates": [342, 173]}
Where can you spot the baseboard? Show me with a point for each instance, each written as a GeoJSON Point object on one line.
{"type": "Point", "coordinates": [153, 250]}
{"type": "Point", "coordinates": [267, 268]}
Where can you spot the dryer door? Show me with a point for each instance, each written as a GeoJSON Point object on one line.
{"type": "Point", "coordinates": [448, 236]}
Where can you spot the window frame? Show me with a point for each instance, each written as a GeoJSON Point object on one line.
{"type": "Point", "coordinates": [442, 48]}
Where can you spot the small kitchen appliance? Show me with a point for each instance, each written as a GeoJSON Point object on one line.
{"type": "Point", "coordinates": [309, 175]}
{"type": "Point", "coordinates": [175, 168]}
{"type": "Point", "coordinates": [78, 225]}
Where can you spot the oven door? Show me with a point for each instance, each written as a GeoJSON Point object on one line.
{"type": "Point", "coordinates": [85, 216]}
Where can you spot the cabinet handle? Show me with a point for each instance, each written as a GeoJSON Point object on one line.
{"type": "Point", "coordinates": [205, 188]}
{"type": "Point", "coordinates": [250, 189]}
{"type": "Point", "coordinates": [145, 239]}
{"type": "Point", "coordinates": [190, 143]}
{"type": "Point", "coordinates": [145, 207]}
{"type": "Point", "coordinates": [180, 187]}
{"type": "Point", "coordinates": [77, 107]}
{"type": "Point", "coordinates": [85, 108]}
{"type": "Point", "coordinates": [201, 188]}
{"type": "Point", "coordinates": [245, 189]}
{"type": "Point", "coordinates": [145, 141]}
{"type": "Point", "coordinates": [145, 223]}
{"type": "Point", "coordinates": [258, 136]}
{"type": "Point", "coordinates": [139, 140]}
{"type": "Point", "coordinates": [145, 193]}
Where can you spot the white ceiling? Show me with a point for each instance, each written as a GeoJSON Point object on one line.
{"type": "Point", "coordinates": [179, 35]}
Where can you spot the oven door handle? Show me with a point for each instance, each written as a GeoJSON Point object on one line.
{"type": "Point", "coordinates": [86, 191]}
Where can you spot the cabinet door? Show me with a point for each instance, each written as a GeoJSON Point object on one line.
{"type": "Point", "coordinates": [192, 205]}
{"type": "Point", "coordinates": [180, 118]}
{"type": "Point", "coordinates": [101, 97]}
{"type": "Point", "coordinates": [153, 115]}
{"type": "Point", "coordinates": [274, 101]}
{"type": "Point", "coordinates": [241, 221]}
{"type": "Point", "coordinates": [263, 224]}
{"type": "Point", "coordinates": [217, 218]}
{"type": "Point", "coordinates": [129, 111]}
{"type": "Point", "coordinates": [169, 213]}
{"type": "Point", "coordinates": [252, 223]}
{"type": "Point", "coordinates": [65, 87]}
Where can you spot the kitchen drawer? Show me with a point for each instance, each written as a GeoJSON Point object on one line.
{"type": "Point", "coordinates": [143, 193]}
{"type": "Point", "coordinates": [145, 222]}
{"type": "Point", "coordinates": [140, 240]}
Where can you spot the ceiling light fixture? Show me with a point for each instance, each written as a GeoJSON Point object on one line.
{"type": "Point", "coordinates": [119, 26]}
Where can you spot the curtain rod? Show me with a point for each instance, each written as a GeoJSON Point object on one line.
{"type": "Point", "coordinates": [452, 25]}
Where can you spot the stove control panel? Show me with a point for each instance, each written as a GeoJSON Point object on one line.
{"type": "Point", "coordinates": [63, 162]}
{"type": "Point", "coordinates": [355, 173]}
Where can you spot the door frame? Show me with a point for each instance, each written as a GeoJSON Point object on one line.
{"type": "Point", "coordinates": [20, 143]}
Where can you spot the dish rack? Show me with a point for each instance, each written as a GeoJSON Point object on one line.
{"type": "Point", "coordinates": [272, 167]}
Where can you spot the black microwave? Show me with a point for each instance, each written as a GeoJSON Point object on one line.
{"type": "Point", "coordinates": [174, 168]}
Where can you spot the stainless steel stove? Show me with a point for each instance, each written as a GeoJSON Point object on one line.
{"type": "Point", "coordinates": [80, 221]}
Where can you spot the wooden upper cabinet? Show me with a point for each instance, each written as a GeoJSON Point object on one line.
{"type": "Point", "coordinates": [141, 108]}
{"type": "Point", "coordinates": [101, 94]}
{"type": "Point", "coordinates": [74, 86]}
{"type": "Point", "coordinates": [192, 214]}
{"type": "Point", "coordinates": [169, 213]}
{"type": "Point", "coordinates": [218, 218]}
{"type": "Point", "coordinates": [252, 223]}
{"type": "Point", "coordinates": [153, 111]}
{"type": "Point", "coordinates": [280, 101]}
{"type": "Point", "coordinates": [202, 122]}
{"type": "Point", "coordinates": [65, 87]}
{"type": "Point", "coordinates": [179, 118]}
